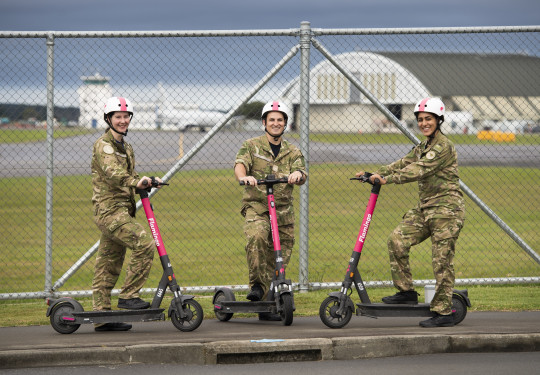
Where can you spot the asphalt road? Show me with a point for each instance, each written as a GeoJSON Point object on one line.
{"type": "Point", "coordinates": [515, 363]}
{"type": "Point", "coordinates": [160, 151]}
{"type": "Point", "coordinates": [45, 337]}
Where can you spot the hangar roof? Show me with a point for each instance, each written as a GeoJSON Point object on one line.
{"type": "Point", "coordinates": [459, 74]}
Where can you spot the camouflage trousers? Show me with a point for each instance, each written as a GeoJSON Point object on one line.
{"type": "Point", "coordinates": [110, 258]}
{"type": "Point", "coordinates": [260, 249]}
{"type": "Point", "coordinates": [415, 228]}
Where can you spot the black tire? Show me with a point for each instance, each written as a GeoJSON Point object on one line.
{"type": "Point", "coordinates": [193, 319]}
{"type": "Point", "coordinates": [287, 309]}
{"type": "Point", "coordinates": [223, 295]}
{"type": "Point", "coordinates": [459, 308]}
{"type": "Point", "coordinates": [57, 322]}
{"type": "Point", "coordinates": [329, 316]}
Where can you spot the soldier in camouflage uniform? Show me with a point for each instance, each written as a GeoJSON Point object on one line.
{"type": "Point", "coordinates": [257, 158]}
{"type": "Point", "coordinates": [439, 214]}
{"type": "Point", "coordinates": [114, 181]}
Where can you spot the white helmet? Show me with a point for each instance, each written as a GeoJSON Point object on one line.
{"type": "Point", "coordinates": [276, 106]}
{"type": "Point", "coordinates": [431, 105]}
{"type": "Point", "coordinates": [117, 104]}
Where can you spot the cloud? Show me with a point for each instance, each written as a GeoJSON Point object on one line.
{"type": "Point", "coordinates": [92, 15]}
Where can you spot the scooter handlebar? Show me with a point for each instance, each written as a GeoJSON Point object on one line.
{"type": "Point", "coordinates": [155, 183]}
{"type": "Point", "coordinates": [270, 180]}
{"type": "Point", "coordinates": [365, 178]}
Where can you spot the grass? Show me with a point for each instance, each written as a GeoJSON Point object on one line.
{"type": "Point", "coordinates": [201, 224]}
{"type": "Point", "coordinates": [373, 138]}
{"type": "Point", "coordinates": [38, 135]}
{"type": "Point", "coordinates": [483, 298]}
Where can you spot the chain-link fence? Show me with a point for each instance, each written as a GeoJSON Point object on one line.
{"type": "Point", "coordinates": [197, 97]}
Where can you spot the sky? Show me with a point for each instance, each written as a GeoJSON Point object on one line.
{"type": "Point", "coordinates": [186, 15]}
{"type": "Point", "coordinates": [144, 15]}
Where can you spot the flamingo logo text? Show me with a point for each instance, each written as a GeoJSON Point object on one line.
{"type": "Point", "coordinates": [364, 229]}
{"type": "Point", "coordinates": [154, 231]}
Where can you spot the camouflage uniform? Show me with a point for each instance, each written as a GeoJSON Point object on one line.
{"type": "Point", "coordinates": [257, 157]}
{"type": "Point", "coordinates": [114, 180]}
{"type": "Point", "coordinates": [439, 214]}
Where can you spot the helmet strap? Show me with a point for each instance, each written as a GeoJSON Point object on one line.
{"type": "Point", "coordinates": [276, 137]}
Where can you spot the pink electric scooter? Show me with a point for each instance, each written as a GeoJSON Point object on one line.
{"type": "Point", "coordinates": [66, 314]}
{"type": "Point", "coordinates": [280, 295]}
{"type": "Point", "coordinates": [336, 310]}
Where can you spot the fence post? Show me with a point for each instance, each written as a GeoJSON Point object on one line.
{"type": "Point", "coordinates": [50, 164]}
{"type": "Point", "coordinates": [305, 45]}
{"type": "Point", "coordinates": [192, 152]}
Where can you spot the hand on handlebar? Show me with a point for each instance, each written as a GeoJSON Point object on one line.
{"type": "Point", "coordinates": [248, 180]}
{"type": "Point", "coordinates": [377, 179]}
{"type": "Point", "coordinates": [360, 174]}
{"type": "Point", "coordinates": [296, 178]}
{"type": "Point", "coordinates": [150, 182]}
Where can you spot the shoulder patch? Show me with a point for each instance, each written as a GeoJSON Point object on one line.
{"type": "Point", "coordinates": [430, 155]}
{"type": "Point", "coordinates": [108, 149]}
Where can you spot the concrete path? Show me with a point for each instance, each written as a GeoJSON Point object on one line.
{"type": "Point", "coordinates": [247, 340]}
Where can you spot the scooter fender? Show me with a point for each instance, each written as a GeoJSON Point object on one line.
{"type": "Point", "coordinates": [278, 305]}
{"type": "Point", "coordinates": [227, 291]}
{"type": "Point", "coordinates": [464, 294]}
{"type": "Point", "coordinates": [338, 295]}
{"type": "Point", "coordinates": [76, 305]}
{"type": "Point", "coordinates": [183, 299]}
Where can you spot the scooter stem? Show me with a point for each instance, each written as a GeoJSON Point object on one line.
{"type": "Point", "coordinates": [153, 225]}
{"type": "Point", "coordinates": [273, 221]}
{"type": "Point", "coordinates": [280, 270]}
{"type": "Point", "coordinates": [366, 221]}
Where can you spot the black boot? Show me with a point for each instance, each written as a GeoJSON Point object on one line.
{"type": "Point", "coordinates": [438, 321]}
{"type": "Point", "coordinates": [256, 293]}
{"type": "Point", "coordinates": [409, 297]}
{"type": "Point", "coordinates": [268, 316]}
{"type": "Point", "coordinates": [112, 327]}
{"type": "Point", "coordinates": [132, 304]}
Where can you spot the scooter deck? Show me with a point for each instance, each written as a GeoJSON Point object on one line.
{"type": "Point", "coordinates": [245, 306]}
{"type": "Point", "coordinates": [375, 310]}
{"type": "Point", "coordinates": [110, 316]}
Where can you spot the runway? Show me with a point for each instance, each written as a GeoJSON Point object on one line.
{"type": "Point", "coordinates": [162, 150]}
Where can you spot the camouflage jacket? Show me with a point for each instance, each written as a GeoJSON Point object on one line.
{"type": "Point", "coordinates": [113, 176]}
{"type": "Point", "coordinates": [435, 168]}
{"type": "Point", "coordinates": [256, 155]}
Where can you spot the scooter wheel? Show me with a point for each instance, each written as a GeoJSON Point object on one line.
{"type": "Point", "coordinates": [223, 296]}
{"type": "Point", "coordinates": [330, 317]}
{"type": "Point", "coordinates": [58, 321]}
{"type": "Point", "coordinates": [193, 319]}
{"type": "Point", "coordinates": [459, 309]}
{"type": "Point", "coordinates": [287, 309]}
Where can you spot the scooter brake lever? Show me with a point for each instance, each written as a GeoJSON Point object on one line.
{"type": "Point", "coordinates": [365, 178]}
{"type": "Point", "coordinates": [361, 178]}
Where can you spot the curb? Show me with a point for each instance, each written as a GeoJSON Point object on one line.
{"type": "Point", "coordinates": [263, 351]}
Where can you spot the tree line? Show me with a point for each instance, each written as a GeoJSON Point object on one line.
{"type": "Point", "coordinates": [25, 112]}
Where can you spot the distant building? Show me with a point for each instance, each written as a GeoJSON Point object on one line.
{"type": "Point", "coordinates": [93, 94]}
{"type": "Point", "coordinates": [159, 114]}
{"type": "Point", "coordinates": [488, 87]}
